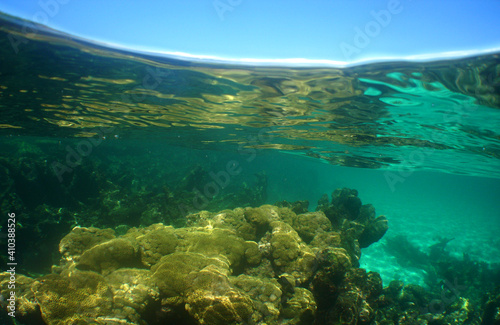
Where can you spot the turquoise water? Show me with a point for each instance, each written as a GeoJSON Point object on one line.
{"type": "Point", "coordinates": [93, 136]}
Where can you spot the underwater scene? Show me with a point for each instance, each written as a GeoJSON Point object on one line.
{"type": "Point", "coordinates": [139, 189]}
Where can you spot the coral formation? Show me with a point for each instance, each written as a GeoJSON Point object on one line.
{"type": "Point", "coordinates": [106, 257]}
{"type": "Point", "coordinates": [103, 192]}
{"type": "Point", "coordinates": [346, 212]}
{"type": "Point", "coordinates": [134, 292]}
{"type": "Point", "coordinates": [259, 265]}
{"type": "Point", "coordinates": [247, 265]}
{"type": "Point", "coordinates": [27, 309]}
{"type": "Point", "coordinates": [65, 299]}
{"type": "Point", "coordinates": [81, 239]}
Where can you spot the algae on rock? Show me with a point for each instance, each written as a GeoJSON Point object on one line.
{"type": "Point", "coordinates": [261, 265]}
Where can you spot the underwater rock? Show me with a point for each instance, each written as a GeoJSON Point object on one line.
{"type": "Point", "coordinates": [65, 299]}
{"type": "Point", "coordinates": [491, 313]}
{"type": "Point", "coordinates": [259, 265]}
{"type": "Point", "coordinates": [173, 273]}
{"type": "Point", "coordinates": [349, 241]}
{"type": "Point", "coordinates": [155, 241]}
{"type": "Point", "coordinates": [212, 300]}
{"type": "Point", "coordinates": [406, 252]}
{"type": "Point", "coordinates": [353, 293]}
{"type": "Point", "coordinates": [357, 222]}
{"type": "Point", "coordinates": [347, 202]}
{"type": "Point", "coordinates": [289, 253]}
{"type": "Point", "coordinates": [323, 203]}
{"type": "Point", "coordinates": [412, 304]}
{"type": "Point", "coordinates": [253, 255]}
{"type": "Point", "coordinates": [265, 294]}
{"type": "Point", "coordinates": [134, 293]}
{"type": "Point", "coordinates": [413, 294]}
{"type": "Point", "coordinates": [300, 308]}
{"type": "Point", "coordinates": [374, 230]}
{"type": "Point", "coordinates": [202, 283]}
{"type": "Point", "coordinates": [102, 191]}
{"type": "Point", "coordinates": [80, 239]}
{"type": "Point", "coordinates": [227, 219]}
{"type": "Point", "coordinates": [109, 256]}
{"type": "Point", "coordinates": [285, 244]}
{"type": "Point", "coordinates": [324, 240]}
{"type": "Point", "coordinates": [263, 215]}
{"type": "Point", "coordinates": [334, 261]}
{"type": "Point", "coordinates": [27, 308]}
{"type": "Point", "coordinates": [227, 308]}
{"type": "Point", "coordinates": [214, 243]}
{"type": "Point", "coordinates": [366, 213]}
{"type": "Point", "coordinates": [158, 240]}
{"type": "Point", "coordinates": [262, 265]}
{"type": "Point", "coordinates": [310, 224]}
{"type": "Point", "coordinates": [297, 207]}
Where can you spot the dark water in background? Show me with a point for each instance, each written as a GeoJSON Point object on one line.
{"type": "Point", "coordinates": [419, 141]}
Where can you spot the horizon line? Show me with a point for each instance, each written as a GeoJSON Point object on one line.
{"type": "Point", "coordinates": [258, 62]}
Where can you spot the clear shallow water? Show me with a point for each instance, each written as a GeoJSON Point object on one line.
{"type": "Point", "coordinates": [436, 116]}
{"type": "Point", "coordinates": [419, 141]}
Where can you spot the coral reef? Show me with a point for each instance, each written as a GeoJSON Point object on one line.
{"type": "Point", "coordinates": [257, 265]}
{"type": "Point", "coordinates": [460, 292]}
{"type": "Point", "coordinates": [72, 297]}
{"type": "Point", "coordinates": [346, 212]}
{"type": "Point", "coordinates": [111, 189]}
{"type": "Point", "coordinates": [249, 265]}
{"type": "Point", "coordinates": [470, 278]}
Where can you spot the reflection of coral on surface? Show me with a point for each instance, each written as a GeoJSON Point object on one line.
{"type": "Point", "coordinates": [265, 265]}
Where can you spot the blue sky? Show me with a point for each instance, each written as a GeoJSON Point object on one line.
{"type": "Point", "coordinates": [347, 30]}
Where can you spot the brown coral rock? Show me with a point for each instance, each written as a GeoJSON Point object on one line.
{"type": "Point", "coordinates": [173, 273]}
{"type": "Point", "coordinates": [157, 242]}
{"type": "Point", "coordinates": [290, 254]}
{"type": "Point", "coordinates": [231, 307]}
{"type": "Point", "coordinates": [227, 219]}
{"type": "Point", "coordinates": [27, 309]}
{"type": "Point", "coordinates": [213, 242]}
{"type": "Point", "coordinates": [81, 239]}
{"type": "Point", "coordinates": [133, 288]}
{"type": "Point", "coordinates": [300, 309]}
{"type": "Point", "coordinates": [109, 256]}
{"type": "Point", "coordinates": [310, 224]}
{"type": "Point", "coordinates": [265, 294]}
{"type": "Point", "coordinates": [82, 293]}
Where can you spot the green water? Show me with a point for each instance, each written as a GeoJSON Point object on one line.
{"type": "Point", "coordinates": [92, 136]}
